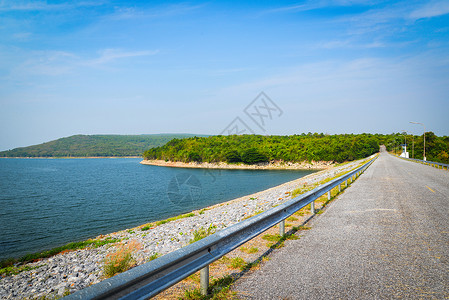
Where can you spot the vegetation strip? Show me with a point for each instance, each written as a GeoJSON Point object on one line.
{"type": "Point", "coordinates": [5, 264]}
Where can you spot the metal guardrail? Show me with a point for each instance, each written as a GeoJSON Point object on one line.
{"type": "Point", "coordinates": [430, 163]}
{"type": "Point", "coordinates": [151, 278]}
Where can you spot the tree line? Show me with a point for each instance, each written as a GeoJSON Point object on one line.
{"type": "Point", "coordinates": [251, 149]}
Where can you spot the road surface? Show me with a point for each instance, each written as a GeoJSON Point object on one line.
{"type": "Point", "coordinates": [385, 237]}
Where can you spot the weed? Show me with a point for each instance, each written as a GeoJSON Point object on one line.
{"type": "Point", "coordinates": [272, 237]}
{"type": "Point", "coordinates": [218, 289]}
{"type": "Point", "coordinates": [277, 241]}
{"type": "Point", "coordinates": [121, 260]}
{"type": "Point", "coordinates": [236, 263]}
{"type": "Point", "coordinates": [147, 227]}
{"type": "Point", "coordinates": [202, 233]}
{"type": "Point", "coordinates": [154, 256]}
{"type": "Point", "coordinates": [302, 227]}
{"type": "Point", "coordinates": [249, 250]}
{"type": "Point", "coordinates": [292, 219]}
{"type": "Point", "coordinates": [201, 211]}
{"type": "Point", "coordinates": [13, 270]}
{"type": "Point", "coordinates": [175, 218]}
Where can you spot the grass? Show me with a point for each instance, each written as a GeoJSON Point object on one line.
{"type": "Point", "coordinates": [302, 227]}
{"type": "Point", "coordinates": [277, 241]}
{"type": "Point", "coordinates": [144, 228]}
{"type": "Point", "coordinates": [13, 270]}
{"type": "Point", "coordinates": [175, 218]}
{"type": "Point", "coordinates": [292, 219]}
{"type": "Point", "coordinates": [236, 263]}
{"type": "Point", "coordinates": [121, 260]}
{"type": "Point", "coordinates": [202, 233]}
{"type": "Point", "coordinates": [249, 250]}
{"type": "Point", "coordinates": [154, 256]}
{"type": "Point", "coordinates": [219, 289]}
{"type": "Point", "coordinates": [158, 223]}
{"type": "Point", "coordinates": [68, 247]}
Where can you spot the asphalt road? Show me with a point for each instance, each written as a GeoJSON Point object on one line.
{"type": "Point", "coordinates": [385, 237]}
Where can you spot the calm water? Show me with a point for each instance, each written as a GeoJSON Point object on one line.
{"type": "Point", "coordinates": [45, 203]}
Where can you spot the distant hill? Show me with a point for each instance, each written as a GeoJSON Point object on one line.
{"type": "Point", "coordinates": [95, 145]}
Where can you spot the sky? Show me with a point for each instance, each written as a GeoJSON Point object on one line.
{"type": "Point", "coordinates": [221, 67]}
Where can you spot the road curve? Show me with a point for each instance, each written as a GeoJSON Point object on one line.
{"type": "Point", "coordinates": [387, 236]}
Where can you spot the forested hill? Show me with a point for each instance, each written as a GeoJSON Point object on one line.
{"type": "Point", "coordinates": [95, 145]}
{"type": "Point", "coordinates": [252, 149]}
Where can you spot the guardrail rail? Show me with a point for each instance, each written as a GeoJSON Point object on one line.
{"type": "Point", "coordinates": [429, 163]}
{"type": "Point", "coordinates": [153, 277]}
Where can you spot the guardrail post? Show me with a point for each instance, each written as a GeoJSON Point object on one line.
{"type": "Point", "coordinates": [329, 195]}
{"type": "Point", "coordinates": [204, 280]}
{"type": "Point", "coordinates": [282, 228]}
{"type": "Point", "coordinates": [339, 188]}
{"type": "Point", "coordinates": [312, 207]}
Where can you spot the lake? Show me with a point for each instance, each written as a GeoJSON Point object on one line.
{"type": "Point", "coordinates": [45, 203]}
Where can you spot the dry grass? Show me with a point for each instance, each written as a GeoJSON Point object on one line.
{"type": "Point", "coordinates": [121, 260]}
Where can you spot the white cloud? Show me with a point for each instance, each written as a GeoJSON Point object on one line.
{"type": "Point", "coordinates": [109, 55]}
{"type": "Point", "coordinates": [350, 44]}
{"type": "Point", "coordinates": [51, 63]}
{"type": "Point", "coordinates": [126, 13]}
{"type": "Point", "coordinates": [41, 5]}
{"type": "Point", "coordinates": [311, 5]}
{"type": "Point", "coordinates": [430, 10]}
{"type": "Point", "coordinates": [24, 64]}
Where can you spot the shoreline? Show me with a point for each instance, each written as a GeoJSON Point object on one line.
{"type": "Point", "coordinates": [277, 165]}
{"type": "Point", "coordinates": [70, 271]}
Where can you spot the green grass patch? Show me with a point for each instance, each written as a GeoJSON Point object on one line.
{"type": "Point", "coordinates": [202, 233]}
{"type": "Point", "coordinates": [302, 227]}
{"type": "Point", "coordinates": [175, 218]}
{"type": "Point", "coordinates": [236, 263]}
{"type": "Point", "coordinates": [277, 241]}
{"type": "Point", "coordinates": [144, 228]}
{"type": "Point", "coordinates": [292, 219]}
{"type": "Point", "coordinates": [68, 247]}
{"type": "Point", "coordinates": [249, 250]}
{"type": "Point", "coordinates": [13, 270]}
{"type": "Point", "coordinates": [219, 289]}
{"type": "Point", "coordinates": [154, 256]}
{"type": "Point", "coordinates": [272, 237]}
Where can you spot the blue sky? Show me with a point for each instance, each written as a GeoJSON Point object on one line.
{"type": "Point", "coordinates": [122, 67]}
